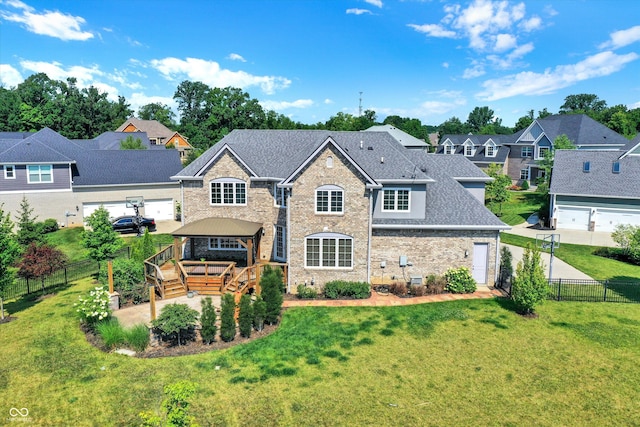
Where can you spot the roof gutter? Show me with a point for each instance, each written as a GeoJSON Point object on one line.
{"type": "Point", "coordinates": [594, 195]}
{"type": "Point", "coordinates": [441, 227]}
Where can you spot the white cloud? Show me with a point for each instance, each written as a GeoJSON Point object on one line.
{"type": "Point", "coordinates": [138, 99]}
{"type": "Point", "coordinates": [9, 76]}
{"type": "Point", "coordinates": [622, 38]}
{"type": "Point", "coordinates": [634, 105]}
{"type": "Point", "coordinates": [377, 3]}
{"type": "Point", "coordinates": [505, 42]}
{"type": "Point", "coordinates": [507, 61]}
{"type": "Point", "coordinates": [210, 73]}
{"type": "Point", "coordinates": [328, 101]}
{"type": "Point", "coordinates": [530, 83]}
{"type": "Point", "coordinates": [473, 72]}
{"type": "Point", "coordinates": [445, 65]}
{"type": "Point", "coordinates": [433, 30]}
{"type": "Point", "coordinates": [236, 57]}
{"type": "Point", "coordinates": [531, 24]}
{"type": "Point", "coordinates": [48, 23]}
{"type": "Point", "coordinates": [284, 105]}
{"type": "Point", "coordinates": [356, 11]}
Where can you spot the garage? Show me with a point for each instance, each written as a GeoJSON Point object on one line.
{"type": "Point", "coordinates": [115, 209]}
{"type": "Point", "coordinates": [159, 209]}
{"type": "Point", "coordinates": [572, 218]}
{"type": "Point", "coordinates": [608, 219]}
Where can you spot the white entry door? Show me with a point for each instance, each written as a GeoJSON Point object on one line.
{"type": "Point", "coordinates": [480, 259]}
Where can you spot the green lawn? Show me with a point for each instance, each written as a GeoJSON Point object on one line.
{"type": "Point", "coordinates": [582, 258]}
{"type": "Point", "coordinates": [456, 363]}
{"type": "Point", "coordinates": [520, 206]}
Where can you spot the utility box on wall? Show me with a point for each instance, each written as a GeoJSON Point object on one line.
{"type": "Point", "coordinates": [403, 261]}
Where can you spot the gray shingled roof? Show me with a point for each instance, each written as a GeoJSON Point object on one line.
{"type": "Point", "coordinates": [579, 128]}
{"type": "Point", "coordinates": [568, 177]}
{"type": "Point", "coordinates": [153, 128]}
{"type": "Point", "coordinates": [277, 154]}
{"type": "Point", "coordinates": [402, 137]}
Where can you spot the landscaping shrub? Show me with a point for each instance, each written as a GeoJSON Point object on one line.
{"type": "Point", "coordinates": [176, 406]}
{"type": "Point", "coordinates": [128, 281]}
{"type": "Point", "coordinates": [111, 332]}
{"type": "Point", "coordinates": [525, 185]}
{"type": "Point", "coordinates": [435, 284]}
{"type": "Point", "coordinates": [259, 313]}
{"type": "Point", "coordinates": [176, 321]}
{"type": "Point", "coordinates": [343, 289]}
{"type": "Point", "coordinates": [137, 337]}
{"type": "Point", "coordinates": [94, 307]}
{"type": "Point", "coordinates": [271, 284]}
{"type": "Point", "coordinates": [506, 264]}
{"type": "Point", "coordinates": [227, 319]}
{"type": "Point", "coordinates": [245, 317]}
{"type": "Point", "coordinates": [306, 292]}
{"type": "Point", "coordinates": [208, 327]}
{"type": "Point", "coordinates": [49, 225]}
{"type": "Point", "coordinates": [399, 289]}
{"type": "Point", "coordinates": [460, 281]}
{"type": "Point", "coordinates": [529, 287]}
{"type": "Point", "coordinates": [417, 290]}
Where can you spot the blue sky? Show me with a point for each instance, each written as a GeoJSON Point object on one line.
{"type": "Point", "coordinates": [310, 59]}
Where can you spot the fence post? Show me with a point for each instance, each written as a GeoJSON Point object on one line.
{"type": "Point", "coordinates": [559, 286]}
{"type": "Point", "coordinates": [605, 291]}
{"type": "Point", "coordinates": [66, 282]}
{"type": "Point", "coordinates": [28, 290]}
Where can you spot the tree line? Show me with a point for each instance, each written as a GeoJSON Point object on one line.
{"type": "Point", "coordinates": [207, 114]}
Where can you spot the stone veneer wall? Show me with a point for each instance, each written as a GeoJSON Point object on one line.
{"type": "Point", "coordinates": [259, 208]}
{"type": "Point", "coordinates": [353, 222]}
{"type": "Point", "coordinates": [430, 252]}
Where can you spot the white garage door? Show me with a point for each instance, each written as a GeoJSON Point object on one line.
{"type": "Point", "coordinates": [115, 209]}
{"type": "Point", "coordinates": [573, 218]}
{"type": "Point", "coordinates": [161, 209]}
{"type": "Point", "coordinates": [607, 220]}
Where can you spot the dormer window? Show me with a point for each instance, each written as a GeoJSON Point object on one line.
{"type": "Point", "coordinates": [616, 167]}
{"type": "Point", "coordinates": [448, 148]}
{"type": "Point", "coordinates": [586, 166]}
{"type": "Point", "coordinates": [468, 150]}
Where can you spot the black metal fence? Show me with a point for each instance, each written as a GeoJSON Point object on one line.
{"type": "Point", "coordinates": [71, 272]}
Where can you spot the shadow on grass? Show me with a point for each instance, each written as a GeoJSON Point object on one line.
{"type": "Point", "coordinates": [27, 301]}
{"type": "Point", "coordinates": [627, 287]}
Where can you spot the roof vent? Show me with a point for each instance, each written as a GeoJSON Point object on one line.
{"type": "Point", "coordinates": [381, 159]}
{"type": "Point", "coordinates": [370, 148]}
{"type": "Point", "coordinates": [361, 144]}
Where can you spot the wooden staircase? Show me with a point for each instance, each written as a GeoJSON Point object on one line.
{"type": "Point", "coordinates": [173, 289]}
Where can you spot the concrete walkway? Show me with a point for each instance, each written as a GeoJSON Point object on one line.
{"type": "Point", "coordinates": [141, 313]}
{"type": "Point", "coordinates": [577, 237]}
{"type": "Point", "coordinates": [561, 270]}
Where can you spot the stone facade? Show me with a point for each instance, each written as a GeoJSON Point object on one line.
{"type": "Point", "coordinates": [429, 252]}
{"type": "Point", "coordinates": [260, 205]}
{"type": "Point", "coordinates": [304, 221]}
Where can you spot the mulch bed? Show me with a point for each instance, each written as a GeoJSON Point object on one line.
{"type": "Point", "coordinates": [7, 319]}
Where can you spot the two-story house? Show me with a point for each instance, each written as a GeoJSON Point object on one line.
{"type": "Point", "coordinates": [336, 205]}
{"type": "Point", "coordinates": [67, 180]}
{"type": "Point", "coordinates": [521, 152]}
{"type": "Point", "coordinates": [158, 134]}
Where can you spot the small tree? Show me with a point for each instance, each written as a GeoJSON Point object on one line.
{"type": "Point", "coordinates": [131, 143]}
{"type": "Point", "coordinates": [506, 264]}
{"type": "Point", "coordinates": [142, 249]}
{"type": "Point", "coordinates": [40, 261]}
{"type": "Point", "coordinates": [245, 317]}
{"type": "Point", "coordinates": [9, 252]}
{"type": "Point", "coordinates": [208, 327]}
{"type": "Point", "coordinates": [627, 237]}
{"type": "Point", "coordinates": [227, 318]}
{"type": "Point", "coordinates": [29, 231]}
{"type": "Point", "coordinates": [530, 286]}
{"type": "Point", "coordinates": [496, 191]}
{"type": "Point", "coordinates": [102, 241]}
{"type": "Point", "coordinates": [259, 313]}
{"type": "Point", "coordinates": [176, 405]}
{"type": "Point", "coordinates": [271, 284]}
{"type": "Point", "coordinates": [176, 321]}
{"type": "Point", "coordinates": [128, 280]}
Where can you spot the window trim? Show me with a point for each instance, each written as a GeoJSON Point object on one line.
{"type": "Point", "coordinates": [218, 244]}
{"type": "Point", "coordinates": [327, 237]}
{"type": "Point", "coordinates": [524, 176]}
{"type": "Point", "coordinates": [540, 152]}
{"type": "Point", "coordinates": [235, 183]}
{"type": "Point", "coordinates": [277, 245]}
{"type": "Point", "coordinates": [279, 193]}
{"type": "Point", "coordinates": [449, 148]}
{"type": "Point", "coordinates": [493, 150]}
{"type": "Point", "coordinates": [529, 150]}
{"type": "Point", "coordinates": [470, 149]}
{"type": "Point", "coordinates": [13, 171]}
{"type": "Point", "coordinates": [40, 181]}
{"type": "Point", "coordinates": [330, 190]}
{"type": "Point", "coordinates": [395, 200]}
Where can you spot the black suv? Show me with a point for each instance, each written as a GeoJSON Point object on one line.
{"type": "Point", "coordinates": [129, 224]}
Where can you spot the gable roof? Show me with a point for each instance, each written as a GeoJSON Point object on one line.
{"type": "Point", "coordinates": [568, 177]}
{"type": "Point", "coordinates": [153, 128]}
{"type": "Point", "coordinates": [402, 137]}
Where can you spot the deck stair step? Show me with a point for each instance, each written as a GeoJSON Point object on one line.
{"type": "Point", "coordinates": [173, 288]}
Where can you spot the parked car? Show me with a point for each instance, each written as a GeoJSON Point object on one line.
{"type": "Point", "coordinates": [128, 224]}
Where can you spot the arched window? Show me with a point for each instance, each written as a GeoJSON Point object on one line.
{"type": "Point", "coordinates": [329, 199]}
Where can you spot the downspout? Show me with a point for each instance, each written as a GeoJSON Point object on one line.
{"type": "Point", "coordinates": [288, 232]}
{"type": "Point", "coordinates": [497, 269]}
{"type": "Point", "coordinates": [370, 231]}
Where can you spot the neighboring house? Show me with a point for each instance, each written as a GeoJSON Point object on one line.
{"type": "Point", "coordinates": [596, 191]}
{"type": "Point", "coordinates": [407, 141]}
{"type": "Point", "coordinates": [336, 205]}
{"type": "Point", "coordinates": [520, 153]}
{"type": "Point", "coordinates": [67, 180]}
{"type": "Point", "coordinates": [158, 134]}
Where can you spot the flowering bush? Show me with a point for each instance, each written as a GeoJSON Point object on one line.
{"type": "Point", "coordinates": [460, 281]}
{"type": "Point", "coordinates": [95, 307]}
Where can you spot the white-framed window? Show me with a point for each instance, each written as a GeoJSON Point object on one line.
{"type": "Point", "coordinates": [37, 174]}
{"type": "Point", "coordinates": [524, 174]}
{"type": "Point", "coordinates": [395, 199]}
{"type": "Point", "coordinates": [279, 196]}
{"type": "Point", "coordinates": [542, 151]}
{"type": "Point", "coordinates": [224, 244]}
{"type": "Point", "coordinates": [280, 243]}
{"type": "Point", "coordinates": [329, 200]}
{"type": "Point", "coordinates": [9, 172]}
{"type": "Point", "coordinates": [448, 148]}
{"type": "Point", "coordinates": [490, 151]}
{"type": "Point", "coordinates": [326, 250]}
{"type": "Point", "coordinates": [228, 192]}
{"type": "Point", "coordinates": [468, 150]}
{"type": "Point", "coordinates": [527, 151]}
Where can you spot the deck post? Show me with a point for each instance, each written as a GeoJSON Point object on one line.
{"type": "Point", "coordinates": [110, 275]}
{"type": "Point", "coordinates": [250, 251]}
{"type": "Point", "coordinates": [176, 251]}
{"type": "Point", "coordinates": [152, 301]}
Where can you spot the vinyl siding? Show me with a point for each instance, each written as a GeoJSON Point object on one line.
{"type": "Point", "coordinates": [61, 180]}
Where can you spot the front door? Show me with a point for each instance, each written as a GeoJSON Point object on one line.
{"type": "Point", "coordinates": [480, 258]}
